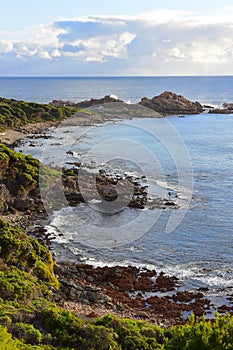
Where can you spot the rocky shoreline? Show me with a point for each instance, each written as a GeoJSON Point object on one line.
{"type": "Point", "coordinates": [123, 291]}
{"type": "Point", "coordinates": [90, 112]}
{"type": "Point", "coordinates": [130, 292]}
{"type": "Point", "coordinates": [167, 103]}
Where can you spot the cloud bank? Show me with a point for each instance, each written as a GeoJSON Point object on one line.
{"type": "Point", "coordinates": [160, 43]}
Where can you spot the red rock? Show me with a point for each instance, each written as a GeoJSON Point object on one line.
{"type": "Point", "coordinates": [144, 284]}
{"type": "Point", "coordinates": [165, 283]}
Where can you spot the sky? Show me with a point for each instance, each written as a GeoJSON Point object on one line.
{"type": "Point", "coordinates": [123, 37]}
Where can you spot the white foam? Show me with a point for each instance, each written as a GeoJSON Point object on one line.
{"type": "Point", "coordinates": [114, 96]}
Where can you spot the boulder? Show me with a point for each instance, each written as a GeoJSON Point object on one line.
{"type": "Point", "coordinates": [169, 103]}
{"type": "Point", "coordinates": [23, 203]}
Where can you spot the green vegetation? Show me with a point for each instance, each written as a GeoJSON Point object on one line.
{"type": "Point", "coordinates": [30, 320]}
{"type": "Point", "coordinates": [203, 335]}
{"type": "Point", "coordinates": [17, 171]}
{"type": "Point", "coordinates": [20, 175]}
{"type": "Point", "coordinates": [19, 113]}
{"type": "Point", "coordinates": [26, 266]}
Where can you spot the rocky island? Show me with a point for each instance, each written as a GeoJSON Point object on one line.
{"type": "Point", "coordinates": [169, 103]}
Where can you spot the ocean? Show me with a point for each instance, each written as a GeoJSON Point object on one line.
{"type": "Point", "coordinates": [192, 154]}
{"type": "Point", "coordinates": [210, 90]}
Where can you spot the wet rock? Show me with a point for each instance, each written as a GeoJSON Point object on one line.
{"type": "Point", "coordinates": [166, 283]}
{"type": "Point", "coordinates": [108, 193]}
{"type": "Point", "coordinates": [224, 308]}
{"type": "Point", "coordinates": [122, 290]}
{"type": "Point", "coordinates": [221, 111]}
{"type": "Point", "coordinates": [143, 284]}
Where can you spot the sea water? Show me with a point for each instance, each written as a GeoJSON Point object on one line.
{"type": "Point", "coordinates": [199, 249]}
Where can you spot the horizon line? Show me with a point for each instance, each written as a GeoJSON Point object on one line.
{"type": "Point", "coordinates": [115, 76]}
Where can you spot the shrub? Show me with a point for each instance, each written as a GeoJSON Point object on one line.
{"type": "Point", "coordinates": [134, 335]}
{"type": "Point", "coordinates": [27, 262]}
{"type": "Point", "coordinates": [28, 333]}
{"type": "Point", "coordinates": [18, 113]}
{"type": "Point", "coordinates": [73, 333]}
{"type": "Point", "coordinates": [203, 334]}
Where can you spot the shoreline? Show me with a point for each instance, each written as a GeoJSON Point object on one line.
{"type": "Point", "coordinates": [132, 292]}
{"type": "Point", "coordinates": [10, 137]}
{"type": "Point", "coordinates": [86, 295]}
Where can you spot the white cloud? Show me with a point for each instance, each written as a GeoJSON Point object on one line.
{"type": "Point", "coordinates": [94, 59]}
{"type": "Point", "coordinates": [202, 52]}
{"type": "Point", "coordinates": [177, 53]}
{"type": "Point", "coordinates": [6, 46]}
{"type": "Point", "coordinates": [45, 55]}
{"type": "Point", "coordinates": [163, 42]}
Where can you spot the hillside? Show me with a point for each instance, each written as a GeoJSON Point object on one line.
{"type": "Point", "coordinates": [14, 114]}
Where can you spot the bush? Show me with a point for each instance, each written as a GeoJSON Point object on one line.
{"type": "Point", "coordinates": [6, 341]}
{"type": "Point", "coordinates": [28, 265]}
{"type": "Point", "coordinates": [28, 333]}
{"type": "Point", "coordinates": [134, 335]}
{"type": "Point", "coordinates": [73, 333]}
{"type": "Point", "coordinates": [203, 335]}
{"type": "Point", "coordinates": [18, 113]}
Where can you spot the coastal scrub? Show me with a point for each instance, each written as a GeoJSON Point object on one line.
{"type": "Point", "coordinates": [30, 320]}
{"type": "Point", "coordinates": [15, 113]}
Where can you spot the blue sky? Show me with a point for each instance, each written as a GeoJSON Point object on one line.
{"type": "Point", "coordinates": [148, 37]}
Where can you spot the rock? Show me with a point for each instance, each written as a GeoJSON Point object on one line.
{"type": "Point", "coordinates": [165, 283]}
{"type": "Point", "coordinates": [108, 192]}
{"type": "Point", "coordinates": [169, 103]}
{"type": "Point", "coordinates": [144, 284]}
{"type": "Point", "coordinates": [221, 111]}
{"type": "Point", "coordinates": [23, 203]}
{"type": "Point", "coordinates": [228, 106]}
{"type": "Point", "coordinates": [113, 289]}
{"type": "Point", "coordinates": [4, 198]}
{"type": "Point", "coordinates": [86, 103]}
{"type": "Point", "coordinates": [184, 296]}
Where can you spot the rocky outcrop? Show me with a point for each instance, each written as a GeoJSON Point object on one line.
{"type": "Point", "coordinates": [86, 103]}
{"type": "Point", "coordinates": [5, 198]}
{"type": "Point", "coordinates": [169, 103]}
{"type": "Point", "coordinates": [127, 190]}
{"type": "Point", "coordinates": [227, 109]}
{"type": "Point", "coordinates": [109, 188]}
{"type": "Point", "coordinates": [128, 291]}
{"type": "Point", "coordinates": [229, 106]}
{"type": "Point", "coordinates": [20, 190]}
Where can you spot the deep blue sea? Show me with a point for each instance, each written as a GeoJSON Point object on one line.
{"type": "Point", "coordinates": [213, 90]}
{"type": "Point", "coordinates": [175, 154]}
